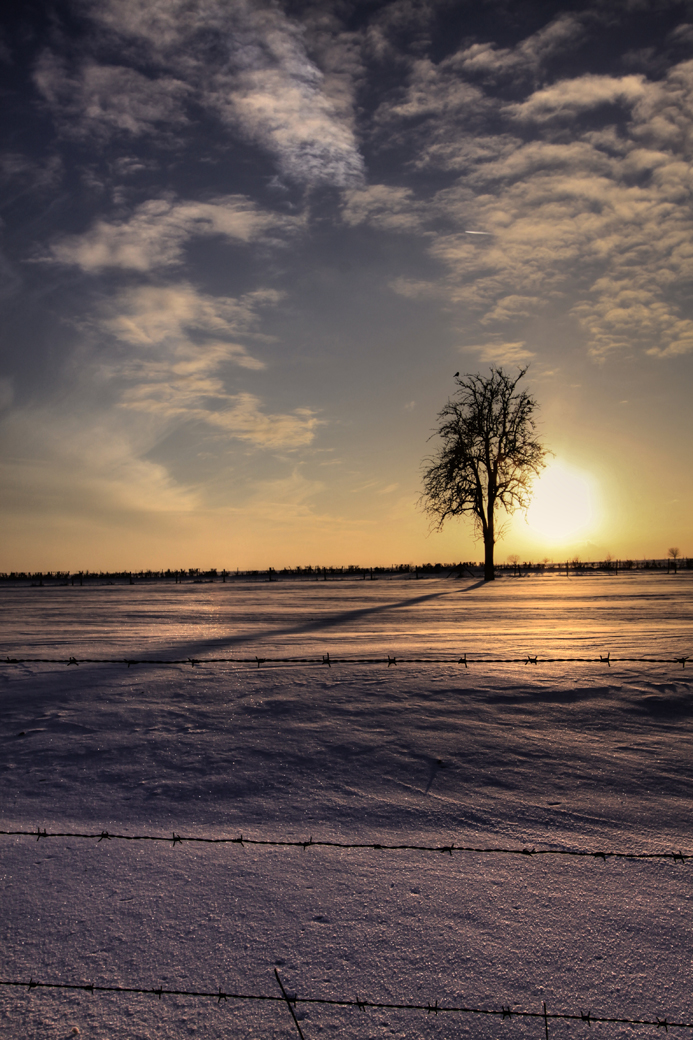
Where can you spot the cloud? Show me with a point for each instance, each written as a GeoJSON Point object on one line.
{"type": "Point", "coordinates": [156, 233]}
{"type": "Point", "coordinates": [103, 99]}
{"type": "Point", "coordinates": [510, 308]}
{"type": "Point", "coordinates": [627, 314]}
{"type": "Point", "coordinates": [280, 99]}
{"type": "Point", "coordinates": [381, 206]}
{"type": "Point", "coordinates": [293, 499]}
{"type": "Point", "coordinates": [172, 370]}
{"type": "Point", "coordinates": [20, 170]}
{"type": "Point", "coordinates": [501, 353]}
{"type": "Point", "coordinates": [151, 315]}
{"type": "Point", "coordinates": [492, 62]}
{"type": "Point", "coordinates": [444, 114]}
{"type": "Point", "coordinates": [53, 460]}
{"type": "Point", "coordinates": [246, 421]}
{"type": "Point", "coordinates": [154, 360]}
{"type": "Point", "coordinates": [199, 398]}
{"type": "Point", "coordinates": [569, 97]}
{"type": "Point", "coordinates": [245, 62]}
{"type": "Point", "coordinates": [596, 224]}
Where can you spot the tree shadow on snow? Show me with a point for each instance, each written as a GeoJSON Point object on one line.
{"type": "Point", "coordinates": [314, 625]}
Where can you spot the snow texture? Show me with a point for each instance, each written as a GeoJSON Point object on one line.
{"type": "Point", "coordinates": [570, 756]}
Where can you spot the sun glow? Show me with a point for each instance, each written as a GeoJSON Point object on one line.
{"type": "Point", "coordinates": [563, 504]}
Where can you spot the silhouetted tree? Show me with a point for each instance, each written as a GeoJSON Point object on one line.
{"type": "Point", "coordinates": [488, 456]}
{"type": "Point", "coordinates": [673, 555]}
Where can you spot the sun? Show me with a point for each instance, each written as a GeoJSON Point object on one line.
{"type": "Point", "coordinates": [563, 504]}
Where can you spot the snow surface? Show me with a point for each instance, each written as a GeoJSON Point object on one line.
{"type": "Point", "coordinates": [578, 756]}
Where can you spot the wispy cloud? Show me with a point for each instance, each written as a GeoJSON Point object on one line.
{"type": "Point", "coordinates": [501, 353]}
{"type": "Point", "coordinates": [569, 97]}
{"type": "Point", "coordinates": [172, 369]}
{"type": "Point", "coordinates": [53, 459]}
{"type": "Point", "coordinates": [153, 360]}
{"type": "Point", "coordinates": [245, 62]}
{"type": "Point", "coordinates": [284, 102]}
{"type": "Point", "coordinates": [152, 315]}
{"type": "Point", "coordinates": [382, 206]}
{"type": "Point", "coordinates": [21, 170]}
{"type": "Point", "coordinates": [491, 62]}
{"type": "Point", "coordinates": [156, 233]}
{"type": "Point", "coordinates": [600, 219]}
{"type": "Point", "coordinates": [104, 99]}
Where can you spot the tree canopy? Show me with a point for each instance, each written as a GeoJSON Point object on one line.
{"type": "Point", "coordinates": [488, 456]}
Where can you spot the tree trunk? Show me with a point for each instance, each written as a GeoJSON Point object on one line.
{"type": "Point", "coordinates": [489, 569]}
{"type": "Point", "coordinates": [489, 542]}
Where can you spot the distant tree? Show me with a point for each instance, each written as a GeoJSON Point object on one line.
{"type": "Point", "coordinates": [488, 456]}
{"type": "Point", "coordinates": [673, 555]}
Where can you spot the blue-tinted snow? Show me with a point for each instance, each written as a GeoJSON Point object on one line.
{"type": "Point", "coordinates": [571, 756]}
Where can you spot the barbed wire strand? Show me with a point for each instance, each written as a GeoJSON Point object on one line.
{"type": "Point", "coordinates": [179, 839]}
{"type": "Point", "coordinates": [327, 660]}
{"type": "Point", "coordinates": [503, 1012]}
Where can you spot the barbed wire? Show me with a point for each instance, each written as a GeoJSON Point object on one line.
{"type": "Point", "coordinates": [179, 839]}
{"type": "Point", "coordinates": [292, 999]}
{"type": "Point", "coordinates": [327, 660]}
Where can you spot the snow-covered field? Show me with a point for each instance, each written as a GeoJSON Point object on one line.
{"type": "Point", "coordinates": [571, 756]}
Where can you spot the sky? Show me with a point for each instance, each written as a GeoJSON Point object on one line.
{"type": "Point", "coordinates": [245, 246]}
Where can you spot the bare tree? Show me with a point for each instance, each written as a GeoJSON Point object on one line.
{"type": "Point", "coordinates": [673, 555]}
{"type": "Point", "coordinates": [488, 456]}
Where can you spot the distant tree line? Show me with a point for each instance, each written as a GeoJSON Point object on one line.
{"type": "Point", "coordinates": [310, 572]}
